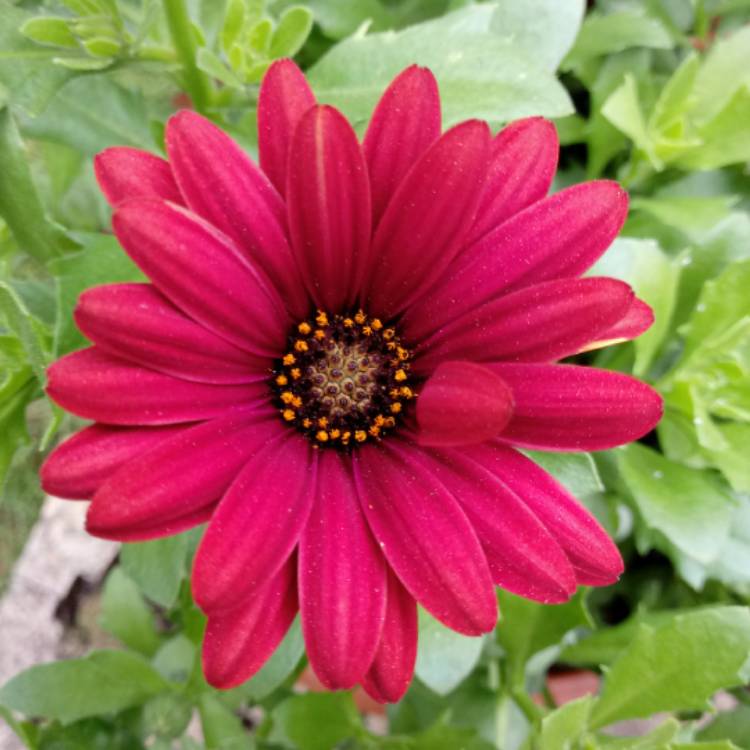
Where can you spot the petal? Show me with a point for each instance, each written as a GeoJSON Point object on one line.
{"type": "Point", "coordinates": [257, 524]}
{"type": "Point", "coordinates": [221, 184]}
{"type": "Point", "coordinates": [203, 273]}
{"type": "Point", "coordinates": [428, 217]}
{"type": "Point", "coordinates": [392, 670]}
{"type": "Point", "coordinates": [425, 536]}
{"type": "Point", "coordinates": [558, 237]}
{"type": "Point", "coordinates": [328, 200]}
{"type": "Point", "coordinates": [284, 97]}
{"type": "Point", "coordinates": [136, 322]}
{"type": "Point", "coordinates": [523, 161]}
{"type": "Point", "coordinates": [342, 580]}
{"type": "Point", "coordinates": [594, 556]}
{"type": "Point", "coordinates": [124, 173]}
{"type": "Point", "coordinates": [184, 475]}
{"type": "Point", "coordinates": [523, 556]}
{"type": "Point", "coordinates": [541, 323]}
{"type": "Point", "coordinates": [570, 408]}
{"type": "Point", "coordinates": [98, 386]}
{"type": "Point", "coordinates": [405, 123]}
{"type": "Point", "coordinates": [80, 465]}
{"type": "Point", "coordinates": [238, 642]}
{"type": "Point", "coordinates": [462, 403]}
{"type": "Point", "coordinates": [637, 320]}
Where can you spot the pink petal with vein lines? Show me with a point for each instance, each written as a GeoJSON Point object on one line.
{"type": "Point", "coordinates": [342, 579]}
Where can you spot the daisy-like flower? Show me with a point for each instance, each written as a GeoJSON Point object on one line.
{"type": "Point", "coordinates": [335, 363]}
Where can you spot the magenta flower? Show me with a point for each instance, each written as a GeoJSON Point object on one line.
{"type": "Point", "coordinates": [334, 364]}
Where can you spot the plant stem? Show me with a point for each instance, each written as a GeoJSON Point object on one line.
{"type": "Point", "coordinates": [530, 710]}
{"type": "Point", "coordinates": [180, 28]}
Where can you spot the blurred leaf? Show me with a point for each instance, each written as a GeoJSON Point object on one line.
{"type": "Point", "coordinates": [19, 202]}
{"type": "Point", "coordinates": [576, 471]}
{"type": "Point", "coordinates": [657, 739]}
{"type": "Point", "coordinates": [176, 658]}
{"type": "Point", "coordinates": [444, 657]}
{"type": "Point", "coordinates": [49, 30]}
{"type": "Point", "coordinates": [16, 390]}
{"type": "Point", "coordinates": [222, 729]}
{"type": "Point", "coordinates": [210, 63]}
{"type": "Point", "coordinates": [103, 682]}
{"type": "Point", "coordinates": [126, 615]}
{"type": "Point", "coordinates": [30, 331]}
{"type": "Point", "coordinates": [293, 29]}
{"type": "Point", "coordinates": [167, 715]}
{"type": "Point", "coordinates": [565, 725]}
{"type": "Point", "coordinates": [677, 665]}
{"type": "Point", "coordinates": [731, 725]}
{"type": "Point", "coordinates": [480, 74]}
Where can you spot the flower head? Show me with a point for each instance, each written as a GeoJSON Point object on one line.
{"type": "Point", "coordinates": [334, 364]}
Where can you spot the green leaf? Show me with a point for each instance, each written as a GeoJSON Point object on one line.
{"type": "Point", "coordinates": [120, 117]}
{"type": "Point", "coordinates": [687, 506]}
{"type": "Point", "coordinates": [576, 471]}
{"type": "Point", "coordinates": [83, 64]}
{"type": "Point", "coordinates": [527, 627]}
{"type": "Point", "coordinates": [657, 739]}
{"type": "Point", "coordinates": [103, 682]}
{"type": "Point", "coordinates": [480, 74]}
{"type": "Point", "coordinates": [542, 29]}
{"type": "Point", "coordinates": [615, 32]}
{"type": "Point", "coordinates": [167, 715]}
{"type": "Point", "coordinates": [677, 666]}
{"type": "Point", "coordinates": [315, 721]}
{"type": "Point", "coordinates": [444, 657]}
{"type": "Point", "coordinates": [733, 725]}
{"type": "Point", "coordinates": [278, 668]}
{"type": "Point", "coordinates": [222, 729]}
{"type": "Point", "coordinates": [49, 30]}
{"type": "Point", "coordinates": [126, 615]}
{"type": "Point", "coordinates": [234, 20]}
{"type": "Point", "coordinates": [27, 328]}
{"type": "Point", "coordinates": [159, 566]}
{"type": "Point", "coordinates": [103, 46]}
{"type": "Point", "coordinates": [16, 390]}
{"type": "Point", "coordinates": [294, 27]}
{"type": "Point", "coordinates": [26, 71]}
{"type": "Point", "coordinates": [19, 202]}
{"type": "Point", "coordinates": [564, 726]}
{"type": "Point", "coordinates": [210, 63]}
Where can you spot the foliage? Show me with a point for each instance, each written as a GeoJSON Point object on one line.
{"type": "Point", "coordinates": [654, 93]}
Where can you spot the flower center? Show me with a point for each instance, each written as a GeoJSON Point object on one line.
{"type": "Point", "coordinates": [344, 379]}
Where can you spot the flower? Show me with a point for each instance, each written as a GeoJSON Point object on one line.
{"type": "Point", "coordinates": [334, 364]}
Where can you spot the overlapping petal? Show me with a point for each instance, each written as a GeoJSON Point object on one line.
{"type": "Point", "coordinates": [182, 478]}
{"type": "Point", "coordinates": [425, 536]}
{"type": "Point", "coordinates": [558, 237]}
{"type": "Point", "coordinates": [571, 408]}
{"type": "Point", "coordinates": [238, 641]}
{"type": "Point", "coordinates": [136, 322]}
{"type": "Point", "coordinates": [404, 124]}
{"type": "Point", "coordinates": [328, 201]}
{"type": "Point", "coordinates": [221, 184]}
{"type": "Point", "coordinates": [257, 524]}
{"type": "Point", "coordinates": [427, 218]}
{"type": "Point", "coordinates": [284, 97]}
{"type": "Point", "coordinates": [98, 386]}
{"type": "Point", "coordinates": [124, 173]}
{"type": "Point", "coordinates": [82, 463]}
{"type": "Point", "coordinates": [462, 403]}
{"type": "Point", "coordinates": [637, 320]}
{"type": "Point", "coordinates": [523, 161]}
{"type": "Point", "coordinates": [342, 580]}
{"type": "Point", "coordinates": [540, 323]}
{"type": "Point", "coordinates": [201, 271]}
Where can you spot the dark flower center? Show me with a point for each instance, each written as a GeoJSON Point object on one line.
{"type": "Point", "coordinates": [344, 379]}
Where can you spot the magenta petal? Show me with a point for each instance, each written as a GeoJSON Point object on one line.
{"type": "Point", "coordinates": [328, 200]}
{"type": "Point", "coordinates": [558, 237]}
{"type": "Point", "coordinates": [80, 465]}
{"type": "Point", "coordinates": [95, 385]}
{"type": "Point", "coordinates": [124, 173]}
{"type": "Point", "coordinates": [594, 556]}
{"type": "Point", "coordinates": [462, 403]}
{"type": "Point", "coordinates": [427, 219]}
{"type": "Point", "coordinates": [136, 322]}
{"type": "Point", "coordinates": [238, 642]}
{"type": "Point", "coordinates": [182, 476]}
{"type": "Point", "coordinates": [342, 580]}
{"type": "Point", "coordinates": [523, 556]}
{"type": "Point", "coordinates": [523, 161]}
{"type": "Point", "coordinates": [284, 97]}
{"type": "Point", "coordinates": [540, 323]}
{"type": "Point", "coordinates": [570, 408]}
{"type": "Point", "coordinates": [221, 184]}
{"type": "Point", "coordinates": [257, 524]}
{"type": "Point", "coordinates": [425, 536]}
{"type": "Point", "coordinates": [405, 123]}
{"type": "Point", "coordinates": [392, 670]}
{"type": "Point", "coordinates": [637, 320]}
{"type": "Point", "coordinates": [201, 271]}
